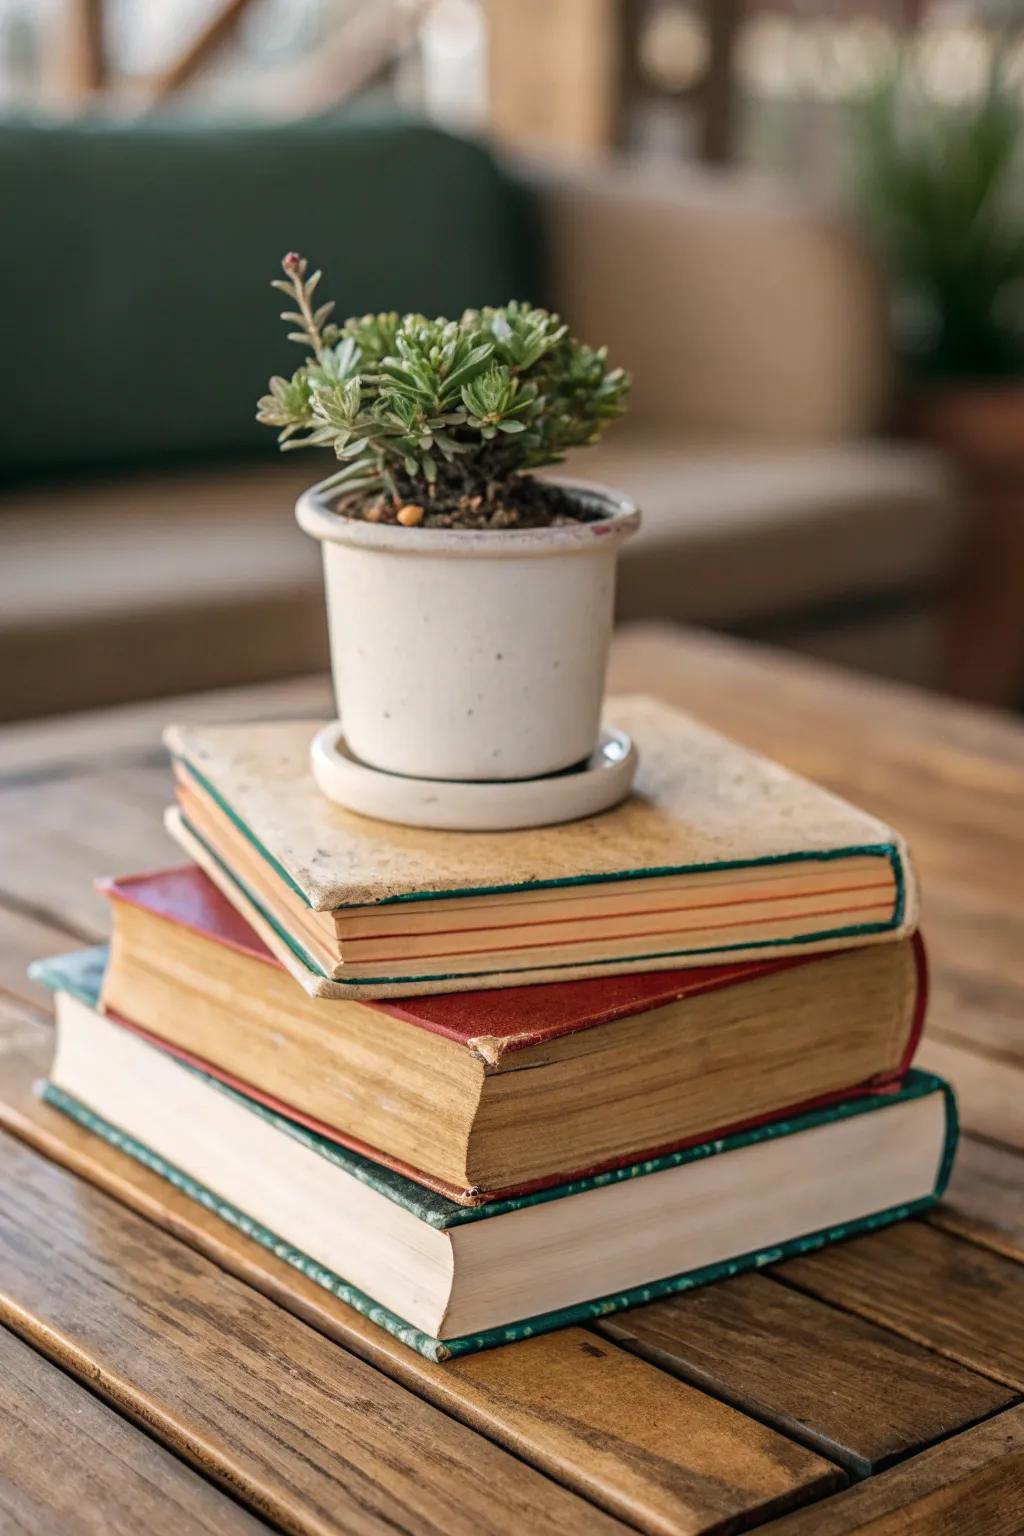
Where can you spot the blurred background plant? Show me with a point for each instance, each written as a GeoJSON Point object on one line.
{"type": "Point", "coordinates": [942, 186]}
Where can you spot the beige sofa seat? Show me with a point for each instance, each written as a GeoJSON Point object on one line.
{"type": "Point", "coordinates": [168, 583]}
{"type": "Point", "coordinates": [733, 535]}
{"type": "Point", "coordinates": [116, 590]}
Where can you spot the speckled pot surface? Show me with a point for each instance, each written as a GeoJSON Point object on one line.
{"type": "Point", "coordinates": [467, 654]}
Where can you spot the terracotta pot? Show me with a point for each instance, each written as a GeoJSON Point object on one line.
{"type": "Point", "coordinates": [981, 423]}
{"type": "Point", "coordinates": [469, 654]}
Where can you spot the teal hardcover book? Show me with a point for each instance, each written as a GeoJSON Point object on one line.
{"type": "Point", "coordinates": [448, 1279]}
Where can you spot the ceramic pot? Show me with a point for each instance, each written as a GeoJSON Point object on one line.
{"type": "Point", "coordinates": [465, 653]}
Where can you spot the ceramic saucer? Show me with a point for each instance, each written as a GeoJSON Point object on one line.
{"type": "Point", "coordinates": [461, 805]}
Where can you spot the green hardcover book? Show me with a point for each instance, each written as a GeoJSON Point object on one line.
{"type": "Point", "coordinates": [449, 1279]}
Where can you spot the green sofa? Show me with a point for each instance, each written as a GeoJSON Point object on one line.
{"type": "Point", "coordinates": [138, 312]}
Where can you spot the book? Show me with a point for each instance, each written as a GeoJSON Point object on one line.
{"type": "Point", "coordinates": [717, 853]}
{"type": "Point", "coordinates": [448, 1279]}
{"type": "Point", "coordinates": [482, 1094]}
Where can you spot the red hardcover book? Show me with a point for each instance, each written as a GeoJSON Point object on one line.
{"type": "Point", "coordinates": [484, 1094]}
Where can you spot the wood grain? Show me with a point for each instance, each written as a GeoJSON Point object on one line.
{"type": "Point", "coordinates": [985, 1198]}
{"type": "Point", "coordinates": [972, 1485]}
{"type": "Point", "coordinates": [130, 733]}
{"type": "Point", "coordinates": [632, 1439]}
{"type": "Point", "coordinates": [81, 797]}
{"type": "Point", "coordinates": [862, 1396]}
{"type": "Point", "coordinates": [989, 1091]}
{"type": "Point", "coordinates": [23, 938]}
{"type": "Point", "coordinates": [303, 1432]}
{"type": "Point", "coordinates": [953, 1297]}
{"type": "Point", "coordinates": [113, 1480]}
{"type": "Point", "coordinates": [58, 835]}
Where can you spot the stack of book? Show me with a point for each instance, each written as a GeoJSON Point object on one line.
{"type": "Point", "coordinates": [480, 1085]}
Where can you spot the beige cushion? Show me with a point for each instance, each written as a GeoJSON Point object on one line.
{"type": "Point", "coordinates": [161, 584]}
{"type": "Point", "coordinates": [740, 307]}
{"type": "Point", "coordinates": [154, 585]}
{"type": "Point", "coordinates": [731, 535]}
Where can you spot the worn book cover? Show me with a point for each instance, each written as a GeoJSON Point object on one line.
{"type": "Point", "coordinates": [717, 853]}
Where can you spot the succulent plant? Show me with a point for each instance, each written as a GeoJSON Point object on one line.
{"type": "Point", "coordinates": [424, 410]}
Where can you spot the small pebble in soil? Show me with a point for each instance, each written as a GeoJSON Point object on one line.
{"type": "Point", "coordinates": [518, 503]}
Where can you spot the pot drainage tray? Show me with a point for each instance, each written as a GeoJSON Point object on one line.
{"type": "Point", "coordinates": [462, 805]}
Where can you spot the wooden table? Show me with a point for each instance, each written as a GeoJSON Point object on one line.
{"type": "Point", "coordinates": [151, 1380]}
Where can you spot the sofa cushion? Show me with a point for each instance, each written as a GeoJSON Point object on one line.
{"type": "Point", "coordinates": [138, 318]}
{"type": "Point", "coordinates": [734, 535]}
{"type": "Point", "coordinates": [121, 589]}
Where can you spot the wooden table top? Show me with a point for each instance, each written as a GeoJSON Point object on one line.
{"type": "Point", "coordinates": [159, 1372]}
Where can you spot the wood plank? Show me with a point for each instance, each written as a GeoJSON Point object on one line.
{"type": "Point", "coordinates": [960, 1300]}
{"type": "Point", "coordinates": [758, 692]}
{"type": "Point", "coordinates": [25, 937]}
{"type": "Point", "coordinates": [989, 1091]}
{"type": "Point", "coordinates": [58, 835]}
{"type": "Point", "coordinates": [974, 933]}
{"type": "Point", "coordinates": [113, 1480]}
{"type": "Point", "coordinates": [852, 1391]}
{"type": "Point", "coordinates": [985, 1198]}
{"type": "Point", "coordinates": [308, 1435]}
{"type": "Point", "coordinates": [25, 1036]}
{"type": "Point", "coordinates": [686, 1462]}
{"type": "Point", "coordinates": [635, 1441]}
{"type": "Point", "coordinates": [972, 1485]}
{"type": "Point", "coordinates": [973, 1002]}
{"type": "Point", "coordinates": [131, 732]}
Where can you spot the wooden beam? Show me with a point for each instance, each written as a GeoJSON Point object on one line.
{"type": "Point", "coordinates": [555, 73]}
{"type": "Point", "coordinates": [198, 52]}
{"type": "Point", "coordinates": [75, 60]}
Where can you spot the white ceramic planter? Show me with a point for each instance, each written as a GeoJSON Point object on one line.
{"type": "Point", "coordinates": [468, 654]}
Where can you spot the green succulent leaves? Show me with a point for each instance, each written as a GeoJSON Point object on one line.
{"type": "Point", "coordinates": [502, 391]}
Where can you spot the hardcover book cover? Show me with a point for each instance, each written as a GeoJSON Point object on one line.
{"type": "Point", "coordinates": [700, 802]}
{"type": "Point", "coordinates": [703, 809]}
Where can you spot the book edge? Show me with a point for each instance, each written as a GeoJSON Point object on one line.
{"type": "Point", "coordinates": [439, 1350]}
{"type": "Point", "coordinates": [64, 973]}
{"type": "Point", "coordinates": [319, 984]}
{"type": "Point", "coordinates": [129, 891]}
{"type": "Point", "coordinates": [892, 846]}
{"type": "Point", "coordinates": [438, 1210]}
